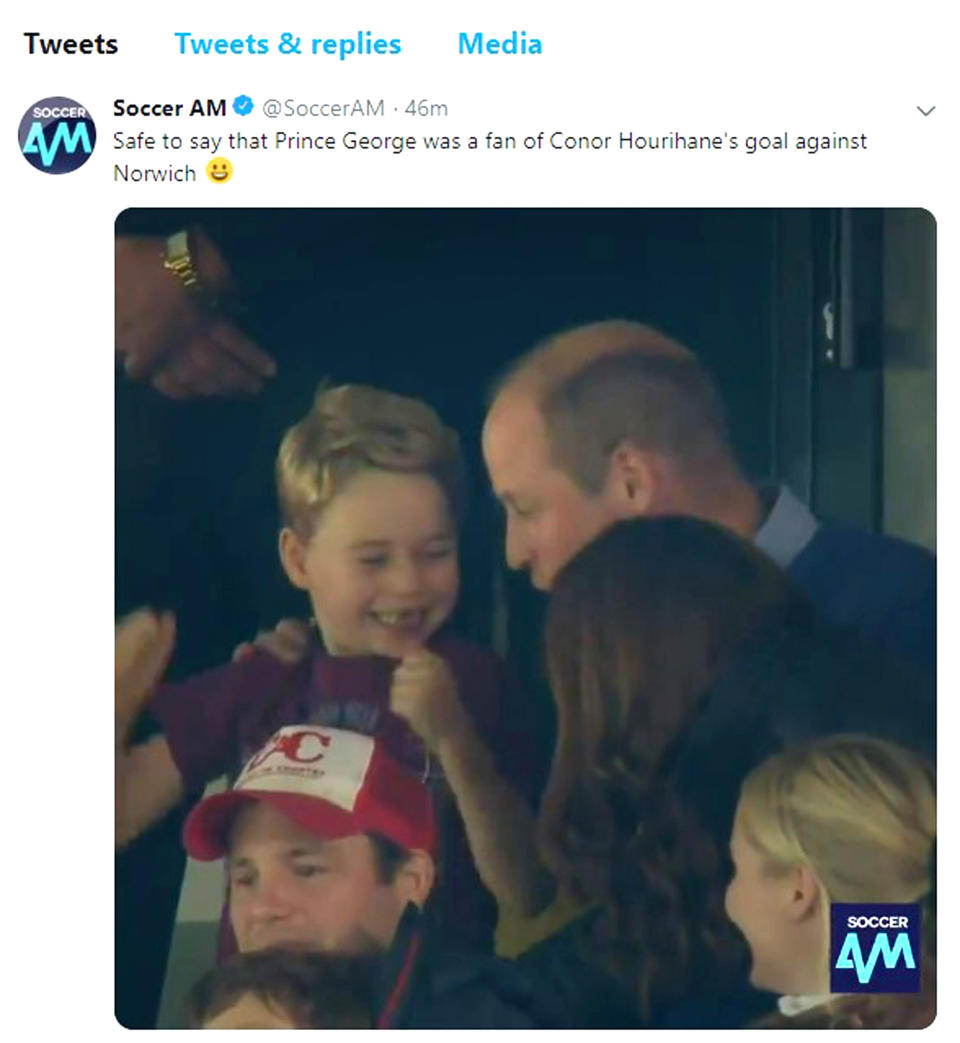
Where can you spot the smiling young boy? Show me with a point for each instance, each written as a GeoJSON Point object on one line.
{"type": "Point", "coordinates": [371, 490]}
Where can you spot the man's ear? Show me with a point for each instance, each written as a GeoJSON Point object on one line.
{"type": "Point", "coordinates": [632, 480]}
{"type": "Point", "coordinates": [415, 878]}
{"type": "Point", "coordinates": [805, 893]}
{"type": "Point", "coordinates": [293, 551]}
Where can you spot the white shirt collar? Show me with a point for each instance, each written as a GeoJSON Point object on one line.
{"type": "Point", "coordinates": [787, 529]}
{"type": "Point", "coordinates": [791, 1006]}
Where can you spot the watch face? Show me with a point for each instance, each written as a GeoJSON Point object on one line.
{"type": "Point", "coordinates": [177, 259]}
{"type": "Point", "coordinates": [178, 247]}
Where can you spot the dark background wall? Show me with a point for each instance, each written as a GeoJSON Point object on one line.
{"type": "Point", "coordinates": [434, 303]}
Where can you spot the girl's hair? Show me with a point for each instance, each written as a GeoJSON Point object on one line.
{"type": "Point", "coordinates": [354, 428]}
{"type": "Point", "coordinates": [861, 812]}
{"type": "Point", "coordinates": [313, 989]}
{"type": "Point", "coordinates": [640, 624]}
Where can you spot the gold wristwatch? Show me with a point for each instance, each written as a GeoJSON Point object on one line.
{"type": "Point", "coordinates": [178, 259]}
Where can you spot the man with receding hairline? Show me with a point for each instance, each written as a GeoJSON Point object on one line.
{"type": "Point", "coordinates": [605, 422]}
{"type": "Point", "coordinates": [560, 356]}
{"type": "Point", "coordinates": [614, 420]}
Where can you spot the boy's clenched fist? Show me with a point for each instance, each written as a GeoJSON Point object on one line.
{"type": "Point", "coordinates": [424, 694]}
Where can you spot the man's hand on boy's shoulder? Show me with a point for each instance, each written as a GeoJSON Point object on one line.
{"type": "Point", "coordinates": [289, 642]}
{"type": "Point", "coordinates": [424, 693]}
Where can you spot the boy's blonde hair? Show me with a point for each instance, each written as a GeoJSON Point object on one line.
{"type": "Point", "coordinates": [354, 428]}
{"type": "Point", "coordinates": [859, 811]}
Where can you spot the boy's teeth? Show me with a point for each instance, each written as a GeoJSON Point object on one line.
{"type": "Point", "coordinates": [395, 618]}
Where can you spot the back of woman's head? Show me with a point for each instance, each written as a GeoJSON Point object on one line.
{"type": "Point", "coordinates": [640, 624]}
{"type": "Point", "coordinates": [643, 619]}
{"type": "Point", "coordinates": [861, 812]}
{"type": "Point", "coordinates": [304, 989]}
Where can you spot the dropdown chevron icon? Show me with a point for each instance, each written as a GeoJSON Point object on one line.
{"type": "Point", "coordinates": [926, 112]}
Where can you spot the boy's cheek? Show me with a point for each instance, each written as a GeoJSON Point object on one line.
{"type": "Point", "coordinates": [451, 581]}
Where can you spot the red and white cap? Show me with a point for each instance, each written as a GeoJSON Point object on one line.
{"type": "Point", "coordinates": [330, 782]}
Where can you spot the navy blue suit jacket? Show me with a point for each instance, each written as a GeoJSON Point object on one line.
{"type": "Point", "coordinates": [883, 588]}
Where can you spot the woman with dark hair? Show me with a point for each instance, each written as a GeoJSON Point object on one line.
{"type": "Point", "coordinates": [680, 657]}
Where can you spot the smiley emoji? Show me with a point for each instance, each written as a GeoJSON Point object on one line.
{"type": "Point", "coordinates": [219, 170]}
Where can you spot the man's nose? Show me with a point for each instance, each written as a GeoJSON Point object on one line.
{"type": "Point", "coordinates": [270, 902]}
{"type": "Point", "coordinates": [516, 550]}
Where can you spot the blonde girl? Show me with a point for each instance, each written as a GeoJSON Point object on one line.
{"type": "Point", "coordinates": [846, 818]}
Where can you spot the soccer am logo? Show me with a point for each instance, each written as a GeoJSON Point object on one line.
{"type": "Point", "coordinates": [874, 947]}
{"type": "Point", "coordinates": [57, 135]}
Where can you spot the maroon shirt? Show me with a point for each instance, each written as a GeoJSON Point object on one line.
{"type": "Point", "coordinates": [216, 721]}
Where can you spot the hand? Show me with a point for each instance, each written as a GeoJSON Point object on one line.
{"type": "Point", "coordinates": [424, 694]}
{"type": "Point", "coordinates": [143, 646]}
{"type": "Point", "coordinates": [289, 641]}
{"type": "Point", "coordinates": [166, 336]}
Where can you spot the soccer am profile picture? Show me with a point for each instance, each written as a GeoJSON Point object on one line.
{"type": "Point", "coordinates": [57, 135]}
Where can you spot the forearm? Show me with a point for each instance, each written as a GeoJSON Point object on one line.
{"type": "Point", "coordinates": [500, 826]}
{"type": "Point", "coordinates": [147, 785]}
